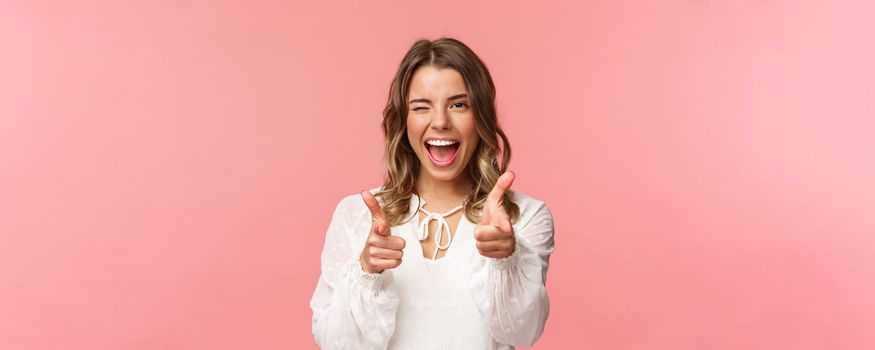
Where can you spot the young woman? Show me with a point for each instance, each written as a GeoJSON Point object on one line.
{"type": "Point", "coordinates": [443, 255]}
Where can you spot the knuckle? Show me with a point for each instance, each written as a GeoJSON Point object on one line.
{"type": "Point", "coordinates": [373, 240]}
{"type": "Point", "coordinates": [397, 242]}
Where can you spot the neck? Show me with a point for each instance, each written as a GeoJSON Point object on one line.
{"type": "Point", "coordinates": [443, 192]}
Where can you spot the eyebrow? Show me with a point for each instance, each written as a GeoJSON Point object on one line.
{"type": "Point", "coordinates": [454, 97]}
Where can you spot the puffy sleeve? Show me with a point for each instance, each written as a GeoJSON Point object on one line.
{"type": "Point", "coordinates": [510, 293]}
{"type": "Point", "coordinates": [352, 309]}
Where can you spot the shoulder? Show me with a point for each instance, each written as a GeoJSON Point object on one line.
{"type": "Point", "coordinates": [532, 210]}
{"type": "Point", "coordinates": [528, 204]}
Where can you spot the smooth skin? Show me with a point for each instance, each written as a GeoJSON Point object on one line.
{"type": "Point", "coordinates": [439, 107]}
{"type": "Point", "coordinates": [382, 250]}
{"type": "Point", "coordinates": [494, 233]}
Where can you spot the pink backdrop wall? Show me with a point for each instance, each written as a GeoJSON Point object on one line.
{"type": "Point", "coordinates": [168, 168]}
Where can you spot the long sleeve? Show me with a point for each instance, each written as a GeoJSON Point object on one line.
{"type": "Point", "coordinates": [510, 293]}
{"type": "Point", "coordinates": [352, 309]}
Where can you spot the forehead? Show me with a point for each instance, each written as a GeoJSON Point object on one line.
{"type": "Point", "coordinates": [431, 81]}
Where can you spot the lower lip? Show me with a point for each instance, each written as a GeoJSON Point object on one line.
{"type": "Point", "coordinates": [446, 164]}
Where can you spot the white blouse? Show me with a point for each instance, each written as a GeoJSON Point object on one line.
{"type": "Point", "coordinates": [460, 301]}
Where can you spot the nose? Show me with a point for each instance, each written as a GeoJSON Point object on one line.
{"type": "Point", "coordinates": [440, 121]}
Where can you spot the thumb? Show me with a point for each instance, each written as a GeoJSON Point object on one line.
{"type": "Point", "coordinates": [497, 217]}
{"type": "Point", "coordinates": [500, 219]}
{"type": "Point", "coordinates": [493, 213]}
{"type": "Point", "coordinates": [486, 214]}
{"type": "Point", "coordinates": [501, 186]}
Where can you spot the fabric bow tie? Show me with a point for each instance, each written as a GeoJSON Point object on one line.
{"type": "Point", "coordinates": [441, 226]}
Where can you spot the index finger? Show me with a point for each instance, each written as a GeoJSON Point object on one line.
{"type": "Point", "coordinates": [373, 205]}
{"type": "Point", "coordinates": [501, 186]}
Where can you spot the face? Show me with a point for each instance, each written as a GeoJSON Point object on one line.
{"type": "Point", "coordinates": [440, 122]}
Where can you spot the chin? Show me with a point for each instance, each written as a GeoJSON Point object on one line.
{"type": "Point", "coordinates": [444, 175]}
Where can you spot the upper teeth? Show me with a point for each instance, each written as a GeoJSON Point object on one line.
{"type": "Point", "coordinates": [441, 142]}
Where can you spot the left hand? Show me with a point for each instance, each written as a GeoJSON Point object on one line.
{"type": "Point", "coordinates": [494, 234]}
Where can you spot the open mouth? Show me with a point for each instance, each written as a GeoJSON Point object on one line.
{"type": "Point", "coordinates": [442, 152]}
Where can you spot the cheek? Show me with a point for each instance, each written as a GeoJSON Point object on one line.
{"type": "Point", "coordinates": [469, 131]}
{"type": "Point", "coordinates": [414, 133]}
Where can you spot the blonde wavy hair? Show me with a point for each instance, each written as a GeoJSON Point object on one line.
{"type": "Point", "coordinates": [490, 158]}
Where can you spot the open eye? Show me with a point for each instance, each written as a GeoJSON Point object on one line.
{"type": "Point", "coordinates": [465, 105]}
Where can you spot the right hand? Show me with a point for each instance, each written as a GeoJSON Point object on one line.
{"type": "Point", "coordinates": [382, 250]}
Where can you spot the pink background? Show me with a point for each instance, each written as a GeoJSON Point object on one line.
{"type": "Point", "coordinates": [168, 168]}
